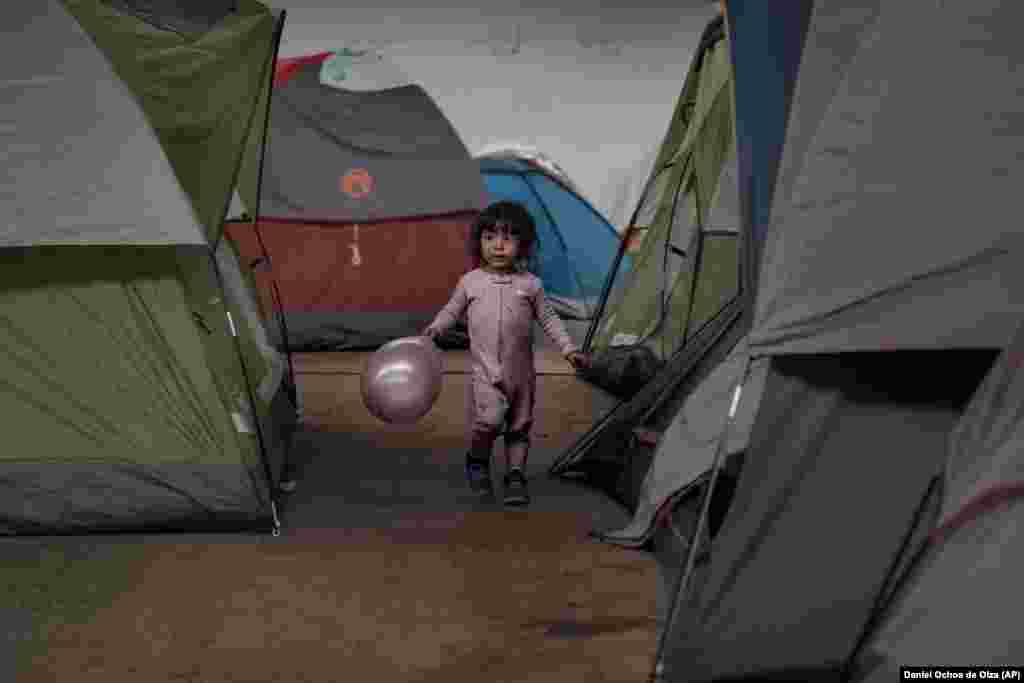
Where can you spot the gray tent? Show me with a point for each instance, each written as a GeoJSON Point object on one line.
{"type": "Point", "coordinates": [878, 202]}
{"type": "Point", "coordinates": [968, 567]}
{"type": "Point", "coordinates": [354, 184]}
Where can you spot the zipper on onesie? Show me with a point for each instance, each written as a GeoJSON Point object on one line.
{"type": "Point", "coordinates": [501, 320]}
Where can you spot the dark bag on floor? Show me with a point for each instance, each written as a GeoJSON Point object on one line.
{"type": "Point", "coordinates": [623, 370]}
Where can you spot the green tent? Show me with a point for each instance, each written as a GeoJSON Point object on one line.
{"type": "Point", "coordinates": [139, 391]}
{"type": "Point", "coordinates": [684, 298]}
{"type": "Point", "coordinates": [685, 231]}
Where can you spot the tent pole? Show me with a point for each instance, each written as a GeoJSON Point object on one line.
{"type": "Point", "coordinates": [252, 400]}
{"type": "Point", "coordinates": [276, 292]}
{"type": "Point", "coordinates": [885, 597]}
{"type": "Point", "coordinates": [665, 295]}
{"type": "Point", "coordinates": [609, 280]}
{"type": "Point", "coordinates": [264, 457]}
{"type": "Point", "coordinates": [683, 361]}
{"type": "Point", "coordinates": [683, 581]}
{"type": "Point", "coordinates": [698, 259]}
{"type": "Point", "coordinates": [278, 30]}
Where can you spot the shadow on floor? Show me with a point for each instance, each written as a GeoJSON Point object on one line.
{"type": "Point", "coordinates": [351, 480]}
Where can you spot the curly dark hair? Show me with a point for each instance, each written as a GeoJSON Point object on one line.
{"type": "Point", "coordinates": [512, 215]}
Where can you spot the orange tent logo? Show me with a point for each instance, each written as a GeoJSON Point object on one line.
{"type": "Point", "coordinates": [357, 183]}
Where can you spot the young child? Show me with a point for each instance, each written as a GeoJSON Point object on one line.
{"type": "Point", "coordinates": [501, 300]}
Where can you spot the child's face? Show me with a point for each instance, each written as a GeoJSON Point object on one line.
{"type": "Point", "coordinates": [499, 248]}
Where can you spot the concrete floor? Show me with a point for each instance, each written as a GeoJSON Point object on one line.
{"type": "Point", "coordinates": [386, 568]}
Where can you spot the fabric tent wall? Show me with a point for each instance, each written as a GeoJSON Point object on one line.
{"type": "Point", "coordinates": [354, 187]}
{"type": "Point", "coordinates": [828, 429]}
{"type": "Point", "coordinates": [181, 16]}
{"type": "Point", "coordinates": [688, 445]}
{"type": "Point", "coordinates": [970, 564]}
{"type": "Point", "coordinates": [348, 69]}
{"type": "Point", "coordinates": [355, 285]}
{"type": "Point", "coordinates": [925, 288]}
{"type": "Point", "coordinates": [697, 204]}
{"type": "Point", "coordinates": [576, 244]}
{"type": "Point", "coordinates": [532, 155]}
{"type": "Point", "coordinates": [624, 190]}
{"type": "Point", "coordinates": [874, 352]}
{"type": "Point", "coordinates": [706, 315]}
{"type": "Point", "coordinates": [166, 420]}
{"type": "Point", "coordinates": [344, 156]}
{"type": "Point", "coordinates": [142, 434]}
{"type": "Point", "coordinates": [685, 230]}
{"type": "Point", "coordinates": [205, 135]}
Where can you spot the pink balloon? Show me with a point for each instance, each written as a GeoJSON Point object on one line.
{"type": "Point", "coordinates": [402, 380]}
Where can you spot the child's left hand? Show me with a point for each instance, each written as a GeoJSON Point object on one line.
{"type": "Point", "coordinates": [578, 360]}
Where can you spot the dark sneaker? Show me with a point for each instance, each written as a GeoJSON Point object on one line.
{"type": "Point", "coordinates": [516, 492]}
{"type": "Point", "coordinates": [478, 474]}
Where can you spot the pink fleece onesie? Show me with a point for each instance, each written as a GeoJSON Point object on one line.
{"type": "Point", "coordinates": [500, 310]}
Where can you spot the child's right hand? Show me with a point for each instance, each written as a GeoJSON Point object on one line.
{"type": "Point", "coordinates": [431, 333]}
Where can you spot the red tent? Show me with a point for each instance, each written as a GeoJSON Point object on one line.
{"type": "Point", "coordinates": [365, 202]}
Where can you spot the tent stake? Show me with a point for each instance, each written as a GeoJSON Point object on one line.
{"type": "Point", "coordinates": [277, 521]}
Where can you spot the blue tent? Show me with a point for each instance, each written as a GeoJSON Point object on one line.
{"type": "Point", "coordinates": [577, 246]}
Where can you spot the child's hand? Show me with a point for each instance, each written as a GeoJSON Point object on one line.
{"type": "Point", "coordinates": [431, 333]}
{"type": "Point", "coordinates": [578, 360]}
